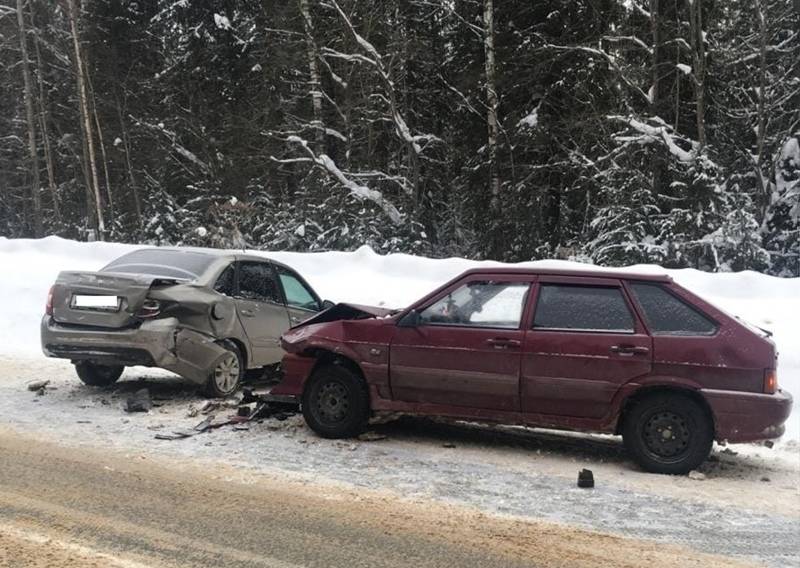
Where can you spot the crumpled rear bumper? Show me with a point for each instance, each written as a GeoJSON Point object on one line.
{"type": "Point", "coordinates": [155, 343]}
{"type": "Point", "coordinates": [748, 417]}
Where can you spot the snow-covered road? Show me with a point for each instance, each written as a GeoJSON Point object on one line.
{"type": "Point", "coordinates": [747, 506]}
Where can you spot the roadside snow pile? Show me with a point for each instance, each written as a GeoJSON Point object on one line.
{"type": "Point", "coordinates": [31, 266]}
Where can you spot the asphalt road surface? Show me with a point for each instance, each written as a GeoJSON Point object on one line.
{"type": "Point", "coordinates": [71, 507]}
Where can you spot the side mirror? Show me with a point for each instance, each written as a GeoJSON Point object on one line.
{"type": "Point", "coordinates": [327, 304]}
{"type": "Point", "coordinates": [411, 319]}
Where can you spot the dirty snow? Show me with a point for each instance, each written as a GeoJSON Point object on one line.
{"type": "Point", "coordinates": [744, 504]}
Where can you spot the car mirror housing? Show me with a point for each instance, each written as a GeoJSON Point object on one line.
{"type": "Point", "coordinates": [327, 304]}
{"type": "Point", "coordinates": [411, 319]}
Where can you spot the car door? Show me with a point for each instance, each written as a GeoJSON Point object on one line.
{"type": "Point", "coordinates": [584, 343]}
{"type": "Point", "coordinates": [301, 300]}
{"type": "Point", "coordinates": [465, 350]}
{"type": "Point", "coordinates": [261, 310]}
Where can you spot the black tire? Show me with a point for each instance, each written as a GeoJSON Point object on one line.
{"type": "Point", "coordinates": [335, 402]}
{"type": "Point", "coordinates": [225, 376]}
{"type": "Point", "coordinates": [96, 375]}
{"type": "Point", "coordinates": [668, 433]}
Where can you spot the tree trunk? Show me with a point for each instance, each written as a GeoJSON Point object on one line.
{"type": "Point", "coordinates": [137, 202]}
{"type": "Point", "coordinates": [764, 189]}
{"type": "Point", "coordinates": [491, 99]}
{"type": "Point", "coordinates": [699, 56]}
{"type": "Point", "coordinates": [30, 116]}
{"type": "Point", "coordinates": [86, 122]}
{"type": "Point", "coordinates": [43, 122]}
{"type": "Point", "coordinates": [101, 140]}
{"type": "Point", "coordinates": [315, 84]}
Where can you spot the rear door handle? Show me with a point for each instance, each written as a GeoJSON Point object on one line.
{"type": "Point", "coordinates": [247, 313]}
{"type": "Point", "coordinates": [503, 343]}
{"type": "Point", "coordinates": [629, 350]}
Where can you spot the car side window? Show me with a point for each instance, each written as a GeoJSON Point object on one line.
{"type": "Point", "coordinates": [297, 294]}
{"type": "Point", "coordinates": [667, 314]}
{"type": "Point", "coordinates": [586, 308]}
{"type": "Point", "coordinates": [480, 304]}
{"type": "Point", "coordinates": [225, 282]}
{"type": "Point", "coordinates": [257, 282]}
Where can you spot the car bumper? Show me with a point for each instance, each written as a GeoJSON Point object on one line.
{"type": "Point", "coordinates": [749, 417]}
{"type": "Point", "coordinates": [155, 343]}
{"type": "Point", "coordinates": [296, 370]}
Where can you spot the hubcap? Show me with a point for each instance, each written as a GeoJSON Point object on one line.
{"type": "Point", "coordinates": [333, 402]}
{"type": "Point", "coordinates": [226, 374]}
{"type": "Point", "coordinates": [667, 435]}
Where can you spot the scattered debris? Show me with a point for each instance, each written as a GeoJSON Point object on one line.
{"type": "Point", "coordinates": [766, 479]}
{"type": "Point", "coordinates": [208, 406]}
{"type": "Point", "coordinates": [769, 443]}
{"type": "Point", "coordinates": [696, 475]}
{"type": "Point", "coordinates": [139, 402]}
{"type": "Point", "coordinates": [371, 437]}
{"type": "Point", "coordinates": [448, 445]}
{"type": "Point", "coordinates": [585, 479]}
{"type": "Point", "coordinates": [38, 385]}
{"type": "Point", "coordinates": [729, 452]}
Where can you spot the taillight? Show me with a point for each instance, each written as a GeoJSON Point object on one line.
{"type": "Point", "coordinates": [48, 307]}
{"type": "Point", "coordinates": [770, 381]}
{"type": "Point", "coordinates": [150, 309]}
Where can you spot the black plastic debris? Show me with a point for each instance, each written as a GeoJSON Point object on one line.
{"type": "Point", "coordinates": [585, 479]}
{"type": "Point", "coordinates": [38, 385]}
{"type": "Point", "coordinates": [139, 402]}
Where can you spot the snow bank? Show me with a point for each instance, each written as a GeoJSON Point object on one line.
{"type": "Point", "coordinates": [30, 267]}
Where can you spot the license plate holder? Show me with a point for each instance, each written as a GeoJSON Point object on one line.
{"type": "Point", "coordinates": [95, 302]}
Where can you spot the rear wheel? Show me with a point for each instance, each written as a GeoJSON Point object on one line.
{"type": "Point", "coordinates": [668, 433]}
{"type": "Point", "coordinates": [96, 375]}
{"type": "Point", "coordinates": [336, 402]}
{"type": "Point", "coordinates": [225, 377]}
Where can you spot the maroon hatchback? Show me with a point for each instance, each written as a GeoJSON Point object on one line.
{"type": "Point", "coordinates": [608, 352]}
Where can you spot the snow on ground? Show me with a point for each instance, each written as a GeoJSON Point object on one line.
{"type": "Point", "coordinates": [396, 280]}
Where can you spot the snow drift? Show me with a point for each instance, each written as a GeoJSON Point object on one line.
{"type": "Point", "coordinates": [364, 277]}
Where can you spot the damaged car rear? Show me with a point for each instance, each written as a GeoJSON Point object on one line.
{"type": "Point", "coordinates": [208, 316]}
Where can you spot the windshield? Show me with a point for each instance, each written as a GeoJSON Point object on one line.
{"type": "Point", "coordinates": [183, 265]}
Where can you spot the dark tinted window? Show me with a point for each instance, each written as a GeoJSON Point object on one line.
{"type": "Point", "coordinates": [225, 283]}
{"type": "Point", "coordinates": [582, 307]}
{"type": "Point", "coordinates": [257, 282]}
{"type": "Point", "coordinates": [181, 264]}
{"type": "Point", "coordinates": [668, 315]}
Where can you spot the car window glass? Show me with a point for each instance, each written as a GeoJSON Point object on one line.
{"type": "Point", "coordinates": [257, 282]}
{"type": "Point", "coordinates": [224, 284]}
{"type": "Point", "coordinates": [297, 294]}
{"type": "Point", "coordinates": [666, 314]}
{"type": "Point", "coordinates": [480, 304]}
{"type": "Point", "coordinates": [591, 308]}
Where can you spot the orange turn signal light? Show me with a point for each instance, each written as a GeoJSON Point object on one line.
{"type": "Point", "coordinates": [771, 381]}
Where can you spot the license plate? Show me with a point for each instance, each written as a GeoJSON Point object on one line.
{"type": "Point", "coordinates": [109, 303]}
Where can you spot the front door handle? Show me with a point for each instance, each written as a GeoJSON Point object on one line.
{"type": "Point", "coordinates": [629, 350]}
{"type": "Point", "coordinates": [248, 313]}
{"type": "Point", "coordinates": [503, 343]}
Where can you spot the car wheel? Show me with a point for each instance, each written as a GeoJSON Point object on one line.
{"type": "Point", "coordinates": [335, 402]}
{"type": "Point", "coordinates": [225, 376]}
{"type": "Point", "coordinates": [668, 433]}
{"type": "Point", "coordinates": [96, 375]}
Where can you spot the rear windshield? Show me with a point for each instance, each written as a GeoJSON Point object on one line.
{"type": "Point", "coordinates": [184, 265]}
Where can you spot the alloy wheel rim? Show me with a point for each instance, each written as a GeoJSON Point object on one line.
{"type": "Point", "coordinates": [226, 373]}
{"type": "Point", "coordinates": [667, 435]}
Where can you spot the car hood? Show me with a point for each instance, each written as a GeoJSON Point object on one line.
{"type": "Point", "coordinates": [345, 311]}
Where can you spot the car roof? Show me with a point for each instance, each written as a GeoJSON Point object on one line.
{"type": "Point", "coordinates": [223, 254]}
{"type": "Point", "coordinates": [588, 273]}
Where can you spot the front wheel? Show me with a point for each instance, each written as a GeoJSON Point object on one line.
{"type": "Point", "coordinates": [668, 433]}
{"type": "Point", "coordinates": [336, 402]}
{"type": "Point", "coordinates": [226, 375]}
{"type": "Point", "coordinates": [96, 375]}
